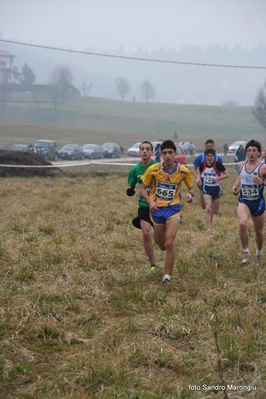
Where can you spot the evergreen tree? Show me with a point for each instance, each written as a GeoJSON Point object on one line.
{"type": "Point", "coordinates": [27, 75]}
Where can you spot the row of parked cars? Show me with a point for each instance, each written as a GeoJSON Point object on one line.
{"type": "Point", "coordinates": [181, 156]}
{"type": "Point", "coordinates": [48, 150]}
{"type": "Point", "coordinates": [187, 146]}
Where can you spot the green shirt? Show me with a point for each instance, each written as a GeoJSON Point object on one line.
{"type": "Point", "coordinates": [134, 179]}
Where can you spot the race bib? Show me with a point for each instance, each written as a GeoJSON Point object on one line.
{"type": "Point", "coordinates": [250, 192]}
{"type": "Point", "coordinates": [208, 179]}
{"type": "Point", "coordinates": [165, 191]}
{"type": "Point", "coordinates": [148, 190]}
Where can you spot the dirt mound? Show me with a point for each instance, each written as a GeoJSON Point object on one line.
{"type": "Point", "coordinates": [17, 158]}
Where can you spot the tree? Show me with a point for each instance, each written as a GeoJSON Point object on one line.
{"type": "Point", "coordinates": [85, 87]}
{"type": "Point", "coordinates": [147, 90]}
{"type": "Point", "coordinates": [61, 79]}
{"type": "Point", "coordinates": [37, 94]}
{"type": "Point", "coordinates": [259, 111]}
{"type": "Point", "coordinates": [230, 103]}
{"type": "Point", "coordinates": [28, 76]}
{"type": "Point", "coordinates": [4, 85]}
{"type": "Point", "coordinates": [122, 87]}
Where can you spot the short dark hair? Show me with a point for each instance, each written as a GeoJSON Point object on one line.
{"type": "Point", "coordinates": [254, 143]}
{"type": "Point", "coordinates": [146, 142]}
{"type": "Point", "coordinates": [209, 141]}
{"type": "Point", "coordinates": [168, 144]}
{"type": "Point", "coordinates": [210, 151]}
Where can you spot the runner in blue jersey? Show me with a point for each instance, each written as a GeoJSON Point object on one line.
{"type": "Point", "coordinates": [251, 202]}
{"type": "Point", "coordinates": [198, 160]}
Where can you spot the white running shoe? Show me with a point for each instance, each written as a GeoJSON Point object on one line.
{"type": "Point", "coordinates": [246, 256]}
{"type": "Point", "coordinates": [258, 256]}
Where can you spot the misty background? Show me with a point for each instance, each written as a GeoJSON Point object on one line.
{"type": "Point", "coordinates": [204, 32]}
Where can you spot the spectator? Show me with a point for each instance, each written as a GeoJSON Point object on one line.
{"type": "Point", "coordinates": [226, 148]}
{"type": "Point", "coordinates": [191, 148]}
{"type": "Point", "coordinates": [240, 155]}
{"type": "Point", "coordinates": [157, 152]}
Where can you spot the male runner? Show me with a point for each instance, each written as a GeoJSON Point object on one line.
{"type": "Point", "coordinates": [251, 202]}
{"type": "Point", "coordinates": [210, 175]}
{"type": "Point", "coordinates": [164, 201]}
{"type": "Point", "coordinates": [143, 221]}
{"type": "Point", "coordinates": [198, 160]}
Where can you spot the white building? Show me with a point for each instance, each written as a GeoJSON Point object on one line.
{"type": "Point", "coordinates": [8, 72]}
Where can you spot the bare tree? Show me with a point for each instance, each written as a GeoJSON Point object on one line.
{"type": "Point", "coordinates": [4, 85]}
{"type": "Point", "coordinates": [259, 111]}
{"type": "Point", "coordinates": [122, 87]}
{"type": "Point", "coordinates": [61, 79]}
{"type": "Point", "coordinates": [85, 87]}
{"type": "Point", "coordinates": [37, 93]}
{"type": "Point", "coordinates": [147, 90]}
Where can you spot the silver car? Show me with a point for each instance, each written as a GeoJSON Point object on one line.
{"type": "Point", "coordinates": [92, 151]}
{"type": "Point", "coordinates": [133, 151]}
{"type": "Point", "coordinates": [233, 147]}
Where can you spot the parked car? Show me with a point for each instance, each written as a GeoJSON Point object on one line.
{"type": "Point", "coordinates": [2, 147]}
{"type": "Point", "coordinates": [46, 149]}
{"type": "Point", "coordinates": [92, 151]}
{"type": "Point", "coordinates": [23, 148]}
{"type": "Point", "coordinates": [180, 157]}
{"type": "Point", "coordinates": [188, 147]}
{"type": "Point", "coordinates": [71, 151]}
{"type": "Point", "coordinates": [233, 147]}
{"type": "Point", "coordinates": [133, 151]}
{"type": "Point", "coordinates": [111, 150]}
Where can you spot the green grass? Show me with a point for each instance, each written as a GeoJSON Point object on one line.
{"type": "Point", "coordinates": [82, 316]}
{"type": "Point", "coordinates": [99, 120]}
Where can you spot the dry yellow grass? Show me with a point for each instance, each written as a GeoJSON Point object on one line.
{"type": "Point", "coordinates": [82, 316]}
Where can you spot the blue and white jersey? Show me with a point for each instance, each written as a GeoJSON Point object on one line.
{"type": "Point", "coordinates": [202, 157]}
{"type": "Point", "coordinates": [249, 190]}
{"type": "Point", "coordinates": [210, 171]}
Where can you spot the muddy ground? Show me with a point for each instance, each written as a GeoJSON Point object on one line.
{"type": "Point", "coordinates": [21, 158]}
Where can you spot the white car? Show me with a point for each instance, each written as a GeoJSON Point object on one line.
{"type": "Point", "coordinates": [233, 147]}
{"type": "Point", "coordinates": [133, 151]}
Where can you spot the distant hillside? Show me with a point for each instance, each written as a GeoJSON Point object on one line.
{"type": "Point", "coordinates": [95, 120]}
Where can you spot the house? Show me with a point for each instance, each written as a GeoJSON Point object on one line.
{"type": "Point", "coordinates": [8, 72]}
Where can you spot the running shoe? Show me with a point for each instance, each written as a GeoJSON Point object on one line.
{"type": "Point", "coordinates": [153, 268]}
{"type": "Point", "coordinates": [258, 256]}
{"type": "Point", "coordinates": [165, 281]}
{"type": "Point", "coordinates": [246, 256]}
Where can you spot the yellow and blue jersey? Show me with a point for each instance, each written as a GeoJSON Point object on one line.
{"type": "Point", "coordinates": [167, 187]}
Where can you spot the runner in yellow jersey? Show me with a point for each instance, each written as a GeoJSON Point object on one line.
{"type": "Point", "coordinates": [165, 200]}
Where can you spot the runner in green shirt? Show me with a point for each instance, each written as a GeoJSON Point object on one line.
{"type": "Point", "coordinates": [143, 221]}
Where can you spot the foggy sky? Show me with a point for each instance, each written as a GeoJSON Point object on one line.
{"type": "Point", "coordinates": [104, 25]}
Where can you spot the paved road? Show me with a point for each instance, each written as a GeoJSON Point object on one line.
{"type": "Point", "coordinates": [122, 159]}
{"type": "Point", "coordinates": [125, 159]}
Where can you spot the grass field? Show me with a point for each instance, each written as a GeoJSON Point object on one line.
{"type": "Point", "coordinates": [99, 120]}
{"type": "Point", "coordinates": [83, 317]}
